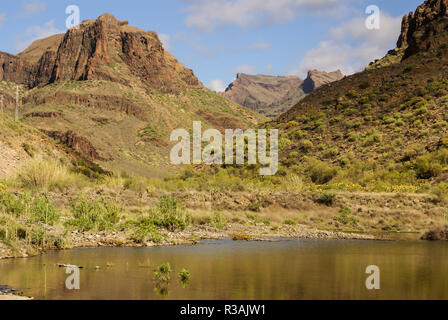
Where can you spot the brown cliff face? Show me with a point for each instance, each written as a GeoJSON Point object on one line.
{"type": "Point", "coordinates": [421, 28]}
{"type": "Point", "coordinates": [103, 49]}
{"type": "Point", "coordinates": [77, 143]}
{"type": "Point", "coordinates": [14, 69]}
{"type": "Point", "coordinates": [272, 95]}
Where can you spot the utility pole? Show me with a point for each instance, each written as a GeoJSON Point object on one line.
{"type": "Point", "coordinates": [17, 105]}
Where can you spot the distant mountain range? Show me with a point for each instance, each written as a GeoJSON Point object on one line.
{"type": "Point", "coordinates": [273, 95]}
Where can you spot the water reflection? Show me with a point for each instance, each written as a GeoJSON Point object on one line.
{"type": "Point", "coordinates": [297, 269]}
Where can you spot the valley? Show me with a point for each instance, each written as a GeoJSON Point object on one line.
{"type": "Point", "coordinates": [363, 156]}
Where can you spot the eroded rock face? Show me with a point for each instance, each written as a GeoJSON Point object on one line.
{"type": "Point", "coordinates": [14, 69]}
{"type": "Point", "coordinates": [96, 51]}
{"type": "Point", "coordinates": [418, 31]}
{"type": "Point", "coordinates": [76, 142]}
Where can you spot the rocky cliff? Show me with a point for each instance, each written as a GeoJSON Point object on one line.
{"type": "Point", "coordinates": [424, 30]}
{"type": "Point", "coordinates": [102, 49]}
{"type": "Point", "coordinates": [272, 95]}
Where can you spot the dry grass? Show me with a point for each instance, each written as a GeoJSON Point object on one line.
{"type": "Point", "coordinates": [48, 176]}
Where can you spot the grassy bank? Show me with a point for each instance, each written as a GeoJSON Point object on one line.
{"type": "Point", "coordinates": [48, 205]}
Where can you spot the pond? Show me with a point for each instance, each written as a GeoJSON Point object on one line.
{"type": "Point", "coordinates": [287, 269]}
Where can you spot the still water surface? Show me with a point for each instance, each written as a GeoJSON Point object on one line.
{"type": "Point", "coordinates": [289, 269]}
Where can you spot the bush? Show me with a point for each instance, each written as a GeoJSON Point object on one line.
{"type": "Point", "coordinates": [218, 220]}
{"type": "Point", "coordinates": [327, 199]}
{"type": "Point", "coordinates": [43, 210]}
{"type": "Point", "coordinates": [320, 172]}
{"type": "Point", "coordinates": [170, 214]}
{"type": "Point", "coordinates": [440, 192]}
{"type": "Point", "coordinates": [306, 145]}
{"type": "Point", "coordinates": [364, 85]}
{"type": "Point", "coordinates": [163, 272]}
{"type": "Point", "coordinates": [352, 94]}
{"type": "Point", "coordinates": [145, 231]}
{"type": "Point", "coordinates": [345, 217]}
{"type": "Point", "coordinates": [184, 276]}
{"type": "Point", "coordinates": [425, 168]}
{"type": "Point", "coordinates": [94, 215]}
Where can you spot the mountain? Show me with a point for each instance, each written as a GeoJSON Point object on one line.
{"type": "Point", "coordinates": [112, 93]}
{"type": "Point", "coordinates": [271, 95]}
{"type": "Point", "coordinates": [387, 125]}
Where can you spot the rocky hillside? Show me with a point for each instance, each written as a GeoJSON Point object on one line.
{"type": "Point", "coordinates": [270, 95]}
{"type": "Point", "coordinates": [387, 125]}
{"type": "Point", "coordinates": [112, 93]}
{"type": "Point", "coordinates": [22, 144]}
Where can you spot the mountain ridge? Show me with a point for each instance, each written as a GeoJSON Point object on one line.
{"type": "Point", "coordinates": [111, 92]}
{"type": "Point", "coordinates": [272, 95]}
{"type": "Point", "coordinates": [384, 126]}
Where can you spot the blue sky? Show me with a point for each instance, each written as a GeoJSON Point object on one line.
{"type": "Point", "coordinates": [218, 38]}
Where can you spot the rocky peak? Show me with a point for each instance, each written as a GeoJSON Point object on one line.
{"type": "Point", "coordinates": [102, 49]}
{"type": "Point", "coordinates": [316, 79]}
{"type": "Point", "coordinates": [272, 95]}
{"type": "Point", "coordinates": [416, 29]}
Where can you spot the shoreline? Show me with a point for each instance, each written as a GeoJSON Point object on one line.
{"type": "Point", "coordinates": [244, 216]}
{"type": "Point", "coordinates": [193, 235]}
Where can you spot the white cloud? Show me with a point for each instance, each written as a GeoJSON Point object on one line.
{"type": "Point", "coordinates": [247, 69]}
{"type": "Point", "coordinates": [216, 85]}
{"type": "Point", "coordinates": [34, 33]}
{"type": "Point", "coordinates": [33, 7]}
{"type": "Point", "coordinates": [166, 41]}
{"type": "Point", "coordinates": [351, 46]}
{"type": "Point", "coordinates": [206, 15]}
{"type": "Point", "coordinates": [2, 18]}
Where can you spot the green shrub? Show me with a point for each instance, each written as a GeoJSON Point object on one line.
{"type": "Point", "coordinates": [441, 192]}
{"type": "Point", "coordinates": [352, 94]}
{"type": "Point", "coordinates": [353, 136]}
{"type": "Point", "coordinates": [345, 217]}
{"type": "Point", "coordinates": [426, 168]}
{"type": "Point", "coordinates": [94, 215]}
{"type": "Point", "coordinates": [218, 220]}
{"type": "Point", "coordinates": [43, 210]}
{"type": "Point", "coordinates": [170, 214]}
{"type": "Point", "coordinates": [289, 222]}
{"type": "Point", "coordinates": [320, 172]}
{"type": "Point", "coordinates": [388, 120]}
{"type": "Point", "coordinates": [364, 85]}
{"type": "Point", "coordinates": [327, 199]}
{"type": "Point", "coordinates": [184, 276]}
{"type": "Point", "coordinates": [163, 272]}
{"type": "Point", "coordinates": [306, 145]}
{"type": "Point", "coordinates": [145, 231]}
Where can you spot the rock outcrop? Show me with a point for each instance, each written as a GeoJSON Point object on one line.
{"type": "Point", "coordinates": [271, 95]}
{"type": "Point", "coordinates": [96, 51]}
{"type": "Point", "coordinates": [78, 143]}
{"type": "Point", "coordinates": [419, 28]}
